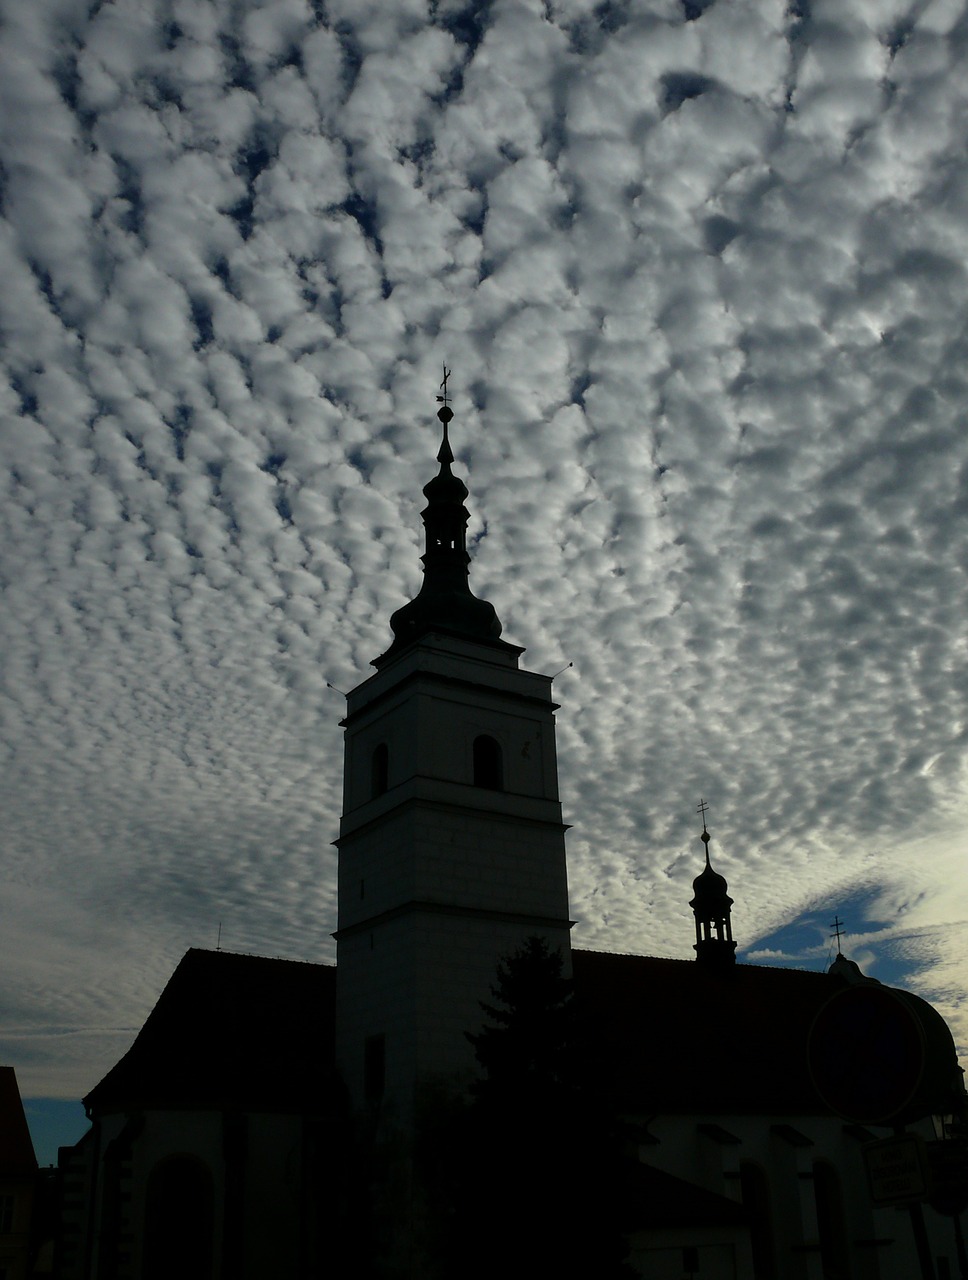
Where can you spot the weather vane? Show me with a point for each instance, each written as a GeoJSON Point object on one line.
{"type": "Point", "coordinates": [444, 399]}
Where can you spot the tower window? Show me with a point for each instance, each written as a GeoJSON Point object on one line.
{"type": "Point", "coordinates": [488, 764]}
{"type": "Point", "coordinates": [380, 770]}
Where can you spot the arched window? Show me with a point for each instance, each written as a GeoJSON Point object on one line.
{"type": "Point", "coordinates": [831, 1227]}
{"type": "Point", "coordinates": [755, 1190]}
{"type": "Point", "coordinates": [488, 765]}
{"type": "Point", "coordinates": [179, 1221]}
{"type": "Point", "coordinates": [380, 765]}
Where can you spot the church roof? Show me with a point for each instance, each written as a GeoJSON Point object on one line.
{"type": "Point", "coordinates": [232, 1031]}
{"type": "Point", "coordinates": [667, 1033]}
{"type": "Point", "coordinates": [675, 1036]}
{"type": "Point", "coordinates": [660, 1036]}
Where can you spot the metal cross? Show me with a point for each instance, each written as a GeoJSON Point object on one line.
{"type": "Point", "coordinates": [837, 927]}
{"type": "Point", "coordinates": [445, 398]}
{"type": "Point", "coordinates": [701, 807]}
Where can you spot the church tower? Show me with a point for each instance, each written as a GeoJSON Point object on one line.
{"type": "Point", "coordinates": [711, 905]}
{"type": "Point", "coordinates": [451, 847]}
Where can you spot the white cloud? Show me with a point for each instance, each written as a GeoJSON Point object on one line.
{"type": "Point", "coordinates": [701, 286]}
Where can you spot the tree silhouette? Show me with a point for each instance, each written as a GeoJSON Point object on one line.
{"type": "Point", "coordinates": [539, 1176]}
{"type": "Point", "coordinates": [528, 1051]}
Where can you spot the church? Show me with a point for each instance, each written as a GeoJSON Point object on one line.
{"type": "Point", "coordinates": [270, 1116]}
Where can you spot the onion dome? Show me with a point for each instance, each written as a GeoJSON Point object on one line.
{"type": "Point", "coordinates": [879, 1055]}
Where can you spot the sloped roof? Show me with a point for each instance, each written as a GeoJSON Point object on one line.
{"type": "Point", "coordinates": [16, 1149]}
{"type": "Point", "coordinates": [658, 1035]}
{"type": "Point", "coordinates": [232, 1030]}
{"type": "Point", "coordinates": [657, 1199]}
{"type": "Point", "coordinates": [677, 1036]}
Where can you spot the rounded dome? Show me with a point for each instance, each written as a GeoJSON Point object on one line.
{"type": "Point", "coordinates": [710, 891]}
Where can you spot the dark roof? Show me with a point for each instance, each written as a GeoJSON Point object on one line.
{"type": "Point", "coordinates": [16, 1149]}
{"type": "Point", "coordinates": [660, 1036]}
{"type": "Point", "coordinates": [677, 1036]}
{"type": "Point", "coordinates": [658, 1199]}
{"type": "Point", "coordinates": [232, 1031]}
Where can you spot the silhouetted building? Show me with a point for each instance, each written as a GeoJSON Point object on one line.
{"type": "Point", "coordinates": [268, 1118]}
{"type": "Point", "coordinates": [26, 1193]}
{"type": "Point", "coordinates": [451, 847]}
{"type": "Point", "coordinates": [213, 1144]}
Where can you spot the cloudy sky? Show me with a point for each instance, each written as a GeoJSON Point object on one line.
{"type": "Point", "coordinates": [699, 269]}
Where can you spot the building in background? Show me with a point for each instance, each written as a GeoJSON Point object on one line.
{"type": "Point", "coordinates": [26, 1193]}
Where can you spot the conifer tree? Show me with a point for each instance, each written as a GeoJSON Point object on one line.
{"type": "Point", "coordinates": [542, 1172]}
{"type": "Point", "coordinates": [527, 1051]}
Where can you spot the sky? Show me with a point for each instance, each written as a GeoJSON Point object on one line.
{"type": "Point", "coordinates": [698, 268]}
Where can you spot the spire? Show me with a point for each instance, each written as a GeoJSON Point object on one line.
{"type": "Point", "coordinates": [711, 904]}
{"type": "Point", "coordinates": [445, 602]}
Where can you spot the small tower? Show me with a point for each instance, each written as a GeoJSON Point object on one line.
{"type": "Point", "coordinates": [711, 904]}
{"type": "Point", "coordinates": [451, 847]}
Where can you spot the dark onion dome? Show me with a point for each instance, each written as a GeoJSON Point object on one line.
{"type": "Point", "coordinates": [709, 888]}
{"type": "Point", "coordinates": [445, 602]}
{"type": "Point", "coordinates": [879, 1055]}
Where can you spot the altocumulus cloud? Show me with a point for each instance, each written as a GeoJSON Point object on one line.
{"type": "Point", "coordinates": [699, 272]}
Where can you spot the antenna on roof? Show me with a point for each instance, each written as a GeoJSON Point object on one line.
{"type": "Point", "coordinates": [218, 944]}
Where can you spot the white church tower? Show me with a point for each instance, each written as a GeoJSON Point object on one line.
{"type": "Point", "coordinates": [451, 847]}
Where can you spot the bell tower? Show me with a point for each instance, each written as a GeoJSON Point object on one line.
{"type": "Point", "coordinates": [711, 907]}
{"type": "Point", "coordinates": [451, 846]}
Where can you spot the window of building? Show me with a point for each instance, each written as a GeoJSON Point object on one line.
{"type": "Point", "coordinates": [831, 1227]}
{"type": "Point", "coordinates": [488, 764]}
{"type": "Point", "coordinates": [380, 765]}
{"type": "Point", "coordinates": [179, 1221]}
{"type": "Point", "coordinates": [755, 1190]}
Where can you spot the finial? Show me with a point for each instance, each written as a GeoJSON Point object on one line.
{"type": "Point", "coordinates": [445, 413]}
{"type": "Point", "coordinates": [444, 399]}
{"type": "Point", "coordinates": [838, 929]}
{"type": "Point", "coordinates": [701, 808]}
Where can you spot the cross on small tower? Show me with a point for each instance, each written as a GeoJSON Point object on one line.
{"type": "Point", "coordinates": [701, 808]}
{"type": "Point", "coordinates": [838, 927]}
{"type": "Point", "coordinates": [444, 399]}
